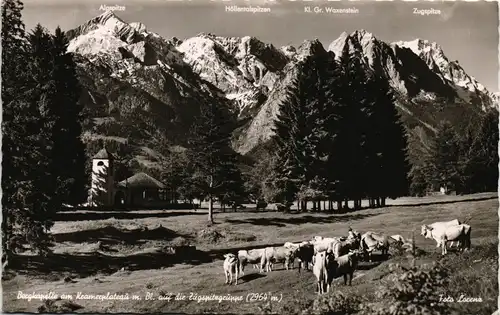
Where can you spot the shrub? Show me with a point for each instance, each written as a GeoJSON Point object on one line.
{"type": "Point", "coordinates": [335, 304]}
{"type": "Point", "coordinates": [414, 291]}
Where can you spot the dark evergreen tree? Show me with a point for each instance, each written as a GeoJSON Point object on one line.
{"type": "Point", "coordinates": [385, 147]}
{"type": "Point", "coordinates": [480, 158]}
{"type": "Point", "coordinates": [14, 118]}
{"type": "Point", "coordinates": [68, 156]}
{"type": "Point", "coordinates": [211, 154]}
{"type": "Point", "coordinates": [349, 145]}
{"type": "Point", "coordinates": [418, 155]}
{"type": "Point", "coordinates": [291, 156]}
{"type": "Point", "coordinates": [322, 112]}
{"type": "Point", "coordinates": [45, 198]}
{"type": "Point", "coordinates": [442, 169]}
{"type": "Point", "coordinates": [312, 103]}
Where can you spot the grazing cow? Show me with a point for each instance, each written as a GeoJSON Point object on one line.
{"type": "Point", "coordinates": [324, 270]}
{"type": "Point", "coordinates": [305, 254]}
{"type": "Point", "coordinates": [446, 223]}
{"type": "Point", "coordinates": [274, 255]}
{"type": "Point", "coordinates": [230, 268]}
{"type": "Point", "coordinates": [443, 234]}
{"type": "Point", "coordinates": [352, 234]}
{"type": "Point", "coordinates": [252, 256]}
{"type": "Point", "coordinates": [399, 239]}
{"type": "Point", "coordinates": [346, 265]}
{"type": "Point", "coordinates": [340, 248]}
{"type": "Point", "coordinates": [383, 242]}
{"type": "Point", "coordinates": [371, 241]}
{"type": "Point", "coordinates": [324, 244]}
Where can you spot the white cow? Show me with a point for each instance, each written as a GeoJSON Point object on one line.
{"type": "Point", "coordinates": [371, 241]}
{"type": "Point", "coordinates": [252, 256]}
{"type": "Point", "coordinates": [324, 244]}
{"type": "Point", "coordinates": [446, 223]}
{"type": "Point", "coordinates": [442, 234]}
{"type": "Point", "coordinates": [343, 247]}
{"type": "Point", "coordinates": [398, 239]}
{"type": "Point", "coordinates": [324, 270]}
{"type": "Point", "coordinates": [277, 254]}
{"type": "Point", "coordinates": [230, 268]}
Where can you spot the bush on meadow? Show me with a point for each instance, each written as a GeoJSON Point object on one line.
{"type": "Point", "coordinates": [415, 290]}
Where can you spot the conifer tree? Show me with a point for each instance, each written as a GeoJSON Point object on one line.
{"type": "Point", "coordinates": [350, 139]}
{"type": "Point", "coordinates": [14, 86]}
{"type": "Point", "coordinates": [44, 199]}
{"type": "Point", "coordinates": [211, 156]}
{"type": "Point", "coordinates": [289, 135]}
{"type": "Point", "coordinates": [68, 156]}
{"type": "Point", "coordinates": [478, 159]}
{"type": "Point", "coordinates": [386, 161]}
{"type": "Point", "coordinates": [442, 168]}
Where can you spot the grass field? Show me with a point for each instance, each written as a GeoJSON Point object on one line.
{"type": "Point", "coordinates": [129, 257]}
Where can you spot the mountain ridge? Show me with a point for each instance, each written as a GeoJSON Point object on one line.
{"type": "Point", "coordinates": [168, 79]}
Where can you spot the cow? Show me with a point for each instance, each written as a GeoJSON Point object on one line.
{"type": "Point", "coordinates": [277, 254]}
{"type": "Point", "coordinates": [399, 239]}
{"type": "Point", "coordinates": [352, 234]}
{"type": "Point", "coordinates": [371, 241]}
{"type": "Point", "coordinates": [230, 268]}
{"type": "Point", "coordinates": [252, 256]}
{"type": "Point", "coordinates": [324, 270]}
{"type": "Point", "coordinates": [305, 254]}
{"type": "Point", "coordinates": [324, 244]}
{"type": "Point", "coordinates": [346, 265]}
{"type": "Point", "coordinates": [446, 223]}
{"type": "Point", "coordinates": [340, 247]}
{"type": "Point", "coordinates": [442, 234]}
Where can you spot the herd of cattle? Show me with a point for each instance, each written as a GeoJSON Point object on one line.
{"type": "Point", "coordinates": [338, 256]}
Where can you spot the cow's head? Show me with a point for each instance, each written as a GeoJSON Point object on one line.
{"type": "Point", "coordinates": [330, 259]}
{"type": "Point", "coordinates": [229, 256]}
{"type": "Point", "coordinates": [425, 231]}
{"type": "Point", "coordinates": [317, 238]}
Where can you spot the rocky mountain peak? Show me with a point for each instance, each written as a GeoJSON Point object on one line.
{"type": "Point", "coordinates": [359, 41]}
{"type": "Point", "coordinates": [138, 26]}
{"type": "Point", "coordinates": [419, 46]}
{"type": "Point", "coordinates": [449, 71]}
{"type": "Point", "coordinates": [310, 48]}
{"type": "Point", "coordinates": [104, 33]}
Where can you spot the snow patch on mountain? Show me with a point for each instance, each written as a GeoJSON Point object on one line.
{"type": "Point", "coordinates": [100, 40]}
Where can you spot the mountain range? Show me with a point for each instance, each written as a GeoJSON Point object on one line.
{"type": "Point", "coordinates": [134, 78]}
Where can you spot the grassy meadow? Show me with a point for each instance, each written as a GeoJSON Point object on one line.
{"type": "Point", "coordinates": [124, 252]}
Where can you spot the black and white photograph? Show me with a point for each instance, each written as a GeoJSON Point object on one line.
{"type": "Point", "coordinates": [250, 157]}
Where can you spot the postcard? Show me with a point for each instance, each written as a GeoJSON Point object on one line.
{"type": "Point", "coordinates": [250, 157]}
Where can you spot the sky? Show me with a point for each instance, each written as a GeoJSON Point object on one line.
{"type": "Point", "coordinates": [466, 31]}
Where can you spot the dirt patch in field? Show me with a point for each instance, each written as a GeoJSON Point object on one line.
{"type": "Point", "coordinates": [214, 236]}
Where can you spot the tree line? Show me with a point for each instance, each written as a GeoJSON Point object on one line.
{"type": "Point", "coordinates": [43, 155]}
{"type": "Point", "coordinates": [337, 137]}
{"type": "Point", "coordinates": [459, 158]}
